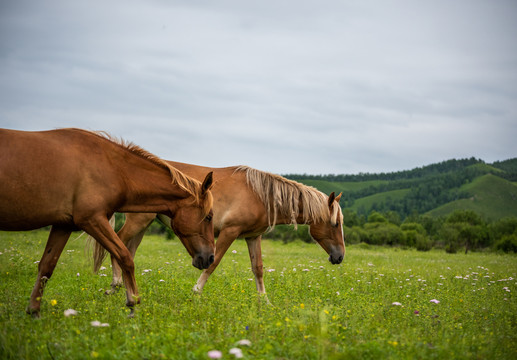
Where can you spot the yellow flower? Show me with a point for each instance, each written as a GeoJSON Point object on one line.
{"type": "Point", "coordinates": [326, 311]}
{"type": "Point", "coordinates": [302, 306]}
{"type": "Point", "coordinates": [53, 302]}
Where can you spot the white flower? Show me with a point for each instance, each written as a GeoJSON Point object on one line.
{"type": "Point", "coordinates": [434, 301]}
{"type": "Point", "coordinates": [78, 274]}
{"type": "Point", "coordinates": [70, 312]}
{"type": "Point", "coordinates": [236, 352]}
{"type": "Point", "coordinates": [244, 342]}
{"type": "Point", "coordinates": [396, 303]}
{"type": "Point", "coordinates": [161, 280]}
{"type": "Point", "coordinates": [96, 323]}
{"type": "Point", "coordinates": [215, 354]}
{"type": "Point", "coordinates": [234, 251]}
{"type": "Point", "coordinates": [102, 268]}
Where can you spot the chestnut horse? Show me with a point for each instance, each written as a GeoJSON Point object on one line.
{"type": "Point", "coordinates": [74, 179]}
{"type": "Point", "coordinates": [248, 202]}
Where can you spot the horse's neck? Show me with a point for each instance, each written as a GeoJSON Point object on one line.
{"type": "Point", "coordinates": [149, 188]}
{"type": "Point", "coordinates": [287, 220]}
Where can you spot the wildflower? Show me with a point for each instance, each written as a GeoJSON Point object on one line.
{"type": "Point", "coordinates": [434, 301]}
{"type": "Point", "coordinates": [337, 293]}
{"type": "Point", "coordinates": [161, 280]}
{"type": "Point", "coordinates": [302, 306]}
{"type": "Point", "coordinates": [70, 312]}
{"type": "Point", "coordinates": [305, 270]}
{"type": "Point", "coordinates": [96, 323]}
{"type": "Point", "coordinates": [215, 354]}
{"type": "Point", "coordinates": [236, 352]}
{"type": "Point", "coordinates": [271, 270]}
{"type": "Point", "coordinates": [234, 251]}
{"type": "Point", "coordinates": [416, 312]}
{"type": "Point", "coordinates": [102, 268]}
{"type": "Point", "coordinates": [396, 303]}
{"type": "Point", "coordinates": [78, 274]}
{"type": "Point", "coordinates": [53, 302]}
{"type": "Point", "coordinates": [244, 342]}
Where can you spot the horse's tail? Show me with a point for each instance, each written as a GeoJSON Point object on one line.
{"type": "Point", "coordinates": [99, 253]}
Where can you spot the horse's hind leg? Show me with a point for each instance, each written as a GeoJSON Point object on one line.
{"type": "Point", "coordinates": [55, 244]}
{"type": "Point", "coordinates": [99, 228]}
{"type": "Point", "coordinates": [131, 235]}
{"type": "Point", "coordinates": [255, 251]}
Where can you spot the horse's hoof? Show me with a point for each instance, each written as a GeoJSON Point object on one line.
{"type": "Point", "coordinates": [131, 314]}
{"type": "Point", "coordinates": [34, 313]}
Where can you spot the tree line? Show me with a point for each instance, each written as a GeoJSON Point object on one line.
{"type": "Point", "coordinates": [462, 230]}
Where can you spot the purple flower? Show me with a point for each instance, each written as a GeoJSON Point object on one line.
{"type": "Point", "coordinates": [416, 312]}
{"type": "Point", "coordinates": [434, 301]}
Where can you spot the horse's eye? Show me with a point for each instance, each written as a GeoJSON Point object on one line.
{"type": "Point", "coordinates": [208, 218]}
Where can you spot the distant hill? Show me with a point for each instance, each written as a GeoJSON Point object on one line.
{"type": "Point", "coordinates": [489, 195]}
{"type": "Point", "coordinates": [436, 189]}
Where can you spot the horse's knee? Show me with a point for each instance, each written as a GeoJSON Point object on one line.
{"type": "Point", "coordinates": [126, 262]}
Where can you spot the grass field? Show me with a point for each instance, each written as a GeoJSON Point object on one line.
{"type": "Point", "coordinates": [379, 304]}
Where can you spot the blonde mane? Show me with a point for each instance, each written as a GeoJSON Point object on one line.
{"type": "Point", "coordinates": [284, 196]}
{"type": "Point", "coordinates": [187, 183]}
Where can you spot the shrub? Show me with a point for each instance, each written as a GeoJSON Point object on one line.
{"type": "Point", "coordinates": [508, 243]}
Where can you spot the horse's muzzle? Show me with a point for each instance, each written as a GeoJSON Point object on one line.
{"type": "Point", "coordinates": [203, 261]}
{"type": "Point", "coordinates": [336, 259]}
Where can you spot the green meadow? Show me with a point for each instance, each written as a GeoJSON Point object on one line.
{"type": "Point", "coordinates": [380, 303]}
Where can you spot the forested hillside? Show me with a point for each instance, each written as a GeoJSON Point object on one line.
{"type": "Point", "coordinates": [454, 205]}
{"type": "Point", "coordinates": [435, 189]}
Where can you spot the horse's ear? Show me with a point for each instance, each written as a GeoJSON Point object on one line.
{"type": "Point", "coordinates": [339, 197]}
{"type": "Point", "coordinates": [207, 183]}
{"type": "Point", "coordinates": [332, 197]}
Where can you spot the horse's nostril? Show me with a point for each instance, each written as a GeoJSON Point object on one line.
{"type": "Point", "coordinates": [211, 259]}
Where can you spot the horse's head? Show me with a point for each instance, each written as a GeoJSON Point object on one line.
{"type": "Point", "coordinates": [192, 222]}
{"type": "Point", "coordinates": [329, 233]}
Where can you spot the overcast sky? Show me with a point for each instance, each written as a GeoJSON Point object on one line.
{"type": "Point", "coordinates": [288, 86]}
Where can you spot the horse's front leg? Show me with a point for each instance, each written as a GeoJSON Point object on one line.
{"type": "Point", "coordinates": [131, 234]}
{"type": "Point", "coordinates": [226, 237]}
{"type": "Point", "coordinates": [56, 242]}
{"type": "Point", "coordinates": [99, 228]}
{"type": "Point", "coordinates": [255, 251]}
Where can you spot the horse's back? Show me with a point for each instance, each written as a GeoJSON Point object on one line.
{"type": "Point", "coordinates": [235, 203]}
{"type": "Point", "coordinates": [40, 174]}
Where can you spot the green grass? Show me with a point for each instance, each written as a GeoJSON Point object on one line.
{"type": "Point", "coordinates": [320, 311]}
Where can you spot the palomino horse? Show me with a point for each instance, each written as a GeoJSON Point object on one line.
{"type": "Point", "coordinates": [75, 180]}
{"type": "Point", "coordinates": [247, 202]}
